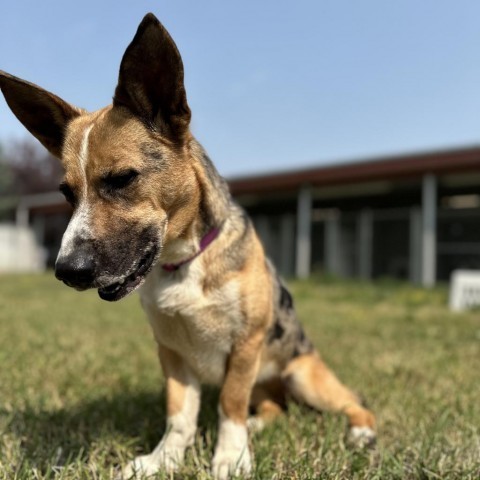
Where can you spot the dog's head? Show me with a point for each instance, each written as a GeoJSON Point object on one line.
{"type": "Point", "coordinates": [127, 171]}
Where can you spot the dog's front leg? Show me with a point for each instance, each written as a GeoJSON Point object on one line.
{"type": "Point", "coordinates": [183, 403]}
{"type": "Point", "coordinates": [232, 456]}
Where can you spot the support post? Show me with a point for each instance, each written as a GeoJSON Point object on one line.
{"type": "Point", "coordinates": [332, 243]}
{"type": "Point", "coordinates": [304, 227]}
{"type": "Point", "coordinates": [365, 239]}
{"type": "Point", "coordinates": [415, 250]}
{"type": "Point", "coordinates": [429, 223]}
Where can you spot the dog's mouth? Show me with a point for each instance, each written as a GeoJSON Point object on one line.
{"type": "Point", "coordinates": [121, 288]}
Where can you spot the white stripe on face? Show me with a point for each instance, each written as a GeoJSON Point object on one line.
{"type": "Point", "coordinates": [79, 223]}
{"type": "Point", "coordinates": [83, 157]}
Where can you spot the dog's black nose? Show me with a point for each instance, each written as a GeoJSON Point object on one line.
{"type": "Point", "coordinates": [77, 269]}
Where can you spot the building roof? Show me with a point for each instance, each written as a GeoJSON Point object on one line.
{"type": "Point", "coordinates": [386, 168]}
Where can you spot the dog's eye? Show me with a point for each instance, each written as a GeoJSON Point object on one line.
{"type": "Point", "coordinates": [67, 193]}
{"type": "Point", "coordinates": [117, 181]}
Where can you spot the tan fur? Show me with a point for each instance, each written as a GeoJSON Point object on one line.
{"type": "Point", "coordinates": [176, 379]}
{"type": "Point", "coordinates": [242, 367]}
{"type": "Point", "coordinates": [268, 401]}
{"type": "Point", "coordinates": [310, 381]}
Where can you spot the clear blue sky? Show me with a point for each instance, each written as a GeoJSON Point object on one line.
{"type": "Point", "coordinates": [272, 84]}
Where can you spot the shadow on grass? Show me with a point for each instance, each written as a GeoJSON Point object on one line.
{"type": "Point", "coordinates": [103, 430]}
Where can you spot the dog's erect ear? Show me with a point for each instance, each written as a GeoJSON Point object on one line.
{"type": "Point", "coordinates": [43, 114]}
{"type": "Point", "coordinates": [150, 82]}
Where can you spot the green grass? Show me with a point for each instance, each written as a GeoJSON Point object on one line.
{"type": "Point", "coordinates": [81, 391]}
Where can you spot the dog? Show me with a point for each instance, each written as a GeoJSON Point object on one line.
{"type": "Point", "coordinates": [151, 213]}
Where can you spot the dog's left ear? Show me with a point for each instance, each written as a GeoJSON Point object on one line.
{"type": "Point", "coordinates": [150, 82]}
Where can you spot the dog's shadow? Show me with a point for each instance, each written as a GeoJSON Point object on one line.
{"type": "Point", "coordinates": [104, 430]}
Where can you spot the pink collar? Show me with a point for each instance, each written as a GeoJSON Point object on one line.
{"type": "Point", "coordinates": [208, 238]}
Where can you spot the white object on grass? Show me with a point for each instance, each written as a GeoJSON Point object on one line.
{"type": "Point", "coordinates": [464, 290]}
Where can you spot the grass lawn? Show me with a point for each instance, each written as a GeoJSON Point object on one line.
{"type": "Point", "coordinates": [81, 391]}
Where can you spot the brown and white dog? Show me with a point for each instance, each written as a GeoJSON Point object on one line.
{"type": "Point", "coordinates": [151, 211]}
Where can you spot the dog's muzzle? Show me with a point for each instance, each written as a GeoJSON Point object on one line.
{"type": "Point", "coordinates": [84, 267]}
{"type": "Point", "coordinates": [77, 269]}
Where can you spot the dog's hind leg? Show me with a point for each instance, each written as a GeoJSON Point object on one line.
{"type": "Point", "coordinates": [308, 380]}
{"type": "Point", "coordinates": [267, 402]}
{"type": "Point", "coordinates": [183, 403]}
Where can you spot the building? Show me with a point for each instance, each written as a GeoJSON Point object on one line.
{"type": "Point", "coordinates": [414, 217]}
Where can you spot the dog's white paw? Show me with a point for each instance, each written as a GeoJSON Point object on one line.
{"type": "Point", "coordinates": [232, 461]}
{"type": "Point", "coordinates": [232, 456]}
{"type": "Point", "coordinates": [362, 437]}
{"type": "Point", "coordinates": [165, 459]}
{"type": "Point", "coordinates": [140, 467]}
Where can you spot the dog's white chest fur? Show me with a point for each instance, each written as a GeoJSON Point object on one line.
{"type": "Point", "coordinates": [199, 325]}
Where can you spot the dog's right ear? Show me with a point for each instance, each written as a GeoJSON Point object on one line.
{"type": "Point", "coordinates": [150, 82]}
{"type": "Point", "coordinates": [43, 114]}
